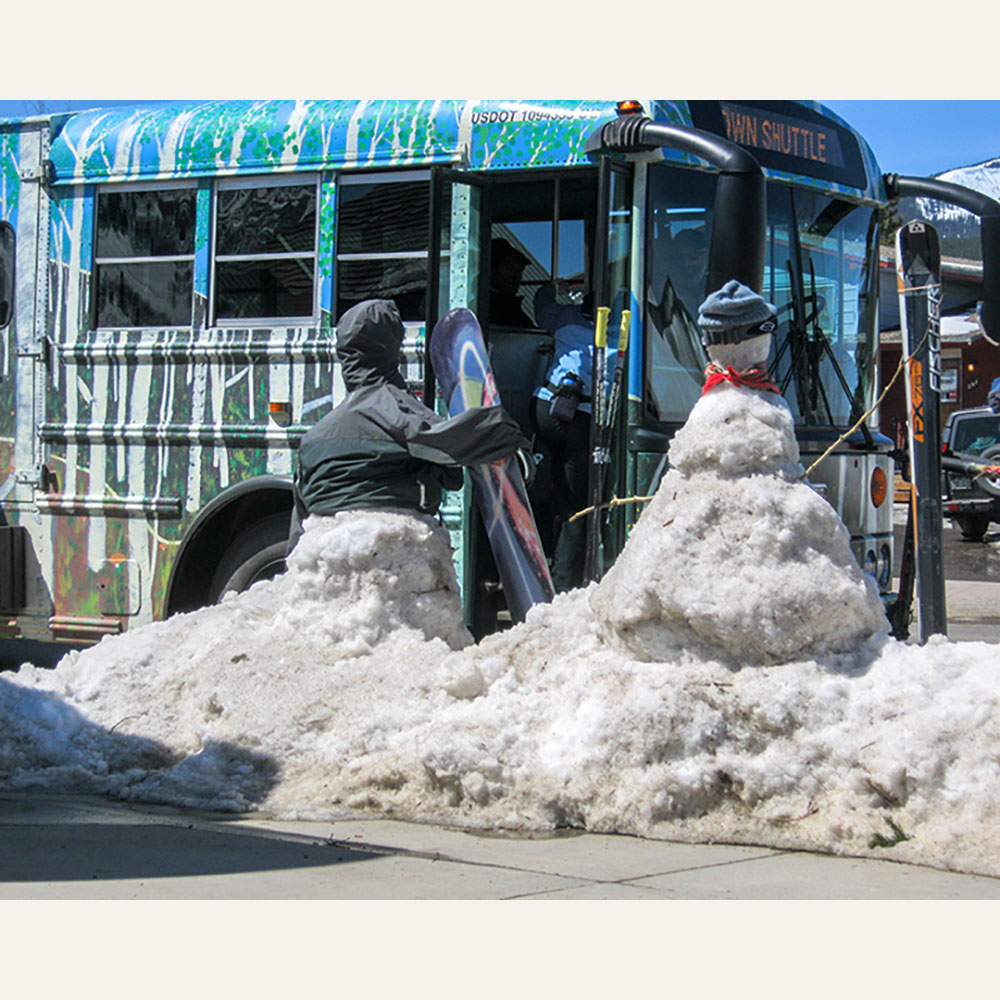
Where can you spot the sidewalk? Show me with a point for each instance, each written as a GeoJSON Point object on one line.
{"type": "Point", "coordinates": [55, 847]}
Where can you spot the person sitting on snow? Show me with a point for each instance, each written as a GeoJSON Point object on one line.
{"type": "Point", "coordinates": [381, 447]}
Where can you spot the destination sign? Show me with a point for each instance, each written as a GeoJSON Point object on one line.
{"type": "Point", "coordinates": [758, 129]}
{"type": "Point", "coordinates": [787, 136]}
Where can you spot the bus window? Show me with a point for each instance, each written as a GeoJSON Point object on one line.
{"type": "Point", "coordinates": [144, 257]}
{"type": "Point", "coordinates": [816, 276]}
{"type": "Point", "coordinates": [549, 222]}
{"type": "Point", "coordinates": [6, 273]}
{"type": "Point", "coordinates": [265, 250]}
{"type": "Point", "coordinates": [678, 225]}
{"type": "Point", "coordinates": [383, 236]}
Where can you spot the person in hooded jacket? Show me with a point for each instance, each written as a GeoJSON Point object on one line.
{"type": "Point", "coordinates": [381, 447]}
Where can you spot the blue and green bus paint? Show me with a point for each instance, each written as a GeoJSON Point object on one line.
{"type": "Point", "coordinates": [149, 415]}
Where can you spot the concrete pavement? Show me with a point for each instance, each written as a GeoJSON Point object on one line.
{"type": "Point", "coordinates": [75, 847]}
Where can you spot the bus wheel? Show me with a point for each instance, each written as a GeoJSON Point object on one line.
{"type": "Point", "coordinates": [257, 554]}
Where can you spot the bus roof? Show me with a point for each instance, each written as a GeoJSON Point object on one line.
{"type": "Point", "coordinates": [257, 137]}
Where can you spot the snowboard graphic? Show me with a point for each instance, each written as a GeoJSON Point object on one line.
{"type": "Point", "coordinates": [918, 272]}
{"type": "Point", "coordinates": [462, 367]}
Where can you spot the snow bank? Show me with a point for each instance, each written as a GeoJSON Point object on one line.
{"type": "Point", "coordinates": [350, 684]}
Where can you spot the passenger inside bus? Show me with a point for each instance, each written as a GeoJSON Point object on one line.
{"type": "Point", "coordinates": [506, 272]}
{"type": "Point", "coordinates": [560, 416]}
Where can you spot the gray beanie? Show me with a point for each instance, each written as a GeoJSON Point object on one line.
{"type": "Point", "coordinates": [733, 314]}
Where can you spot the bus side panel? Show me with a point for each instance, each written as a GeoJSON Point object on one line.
{"type": "Point", "coordinates": [154, 439]}
{"type": "Point", "coordinates": [10, 184]}
{"type": "Point", "coordinates": [143, 427]}
{"type": "Point", "coordinates": [24, 202]}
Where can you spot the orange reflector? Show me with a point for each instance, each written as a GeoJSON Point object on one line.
{"type": "Point", "coordinates": [279, 407]}
{"type": "Point", "coordinates": [879, 487]}
{"type": "Point", "coordinates": [628, 108]}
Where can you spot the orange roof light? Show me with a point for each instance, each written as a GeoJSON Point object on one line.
{"type": "Point", "coordinates": [629, 107]}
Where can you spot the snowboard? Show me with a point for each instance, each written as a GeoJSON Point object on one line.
{"type": "Point", "coordinates": [461, 364]}
{"type": "Point", "coordinates": [918, 273]}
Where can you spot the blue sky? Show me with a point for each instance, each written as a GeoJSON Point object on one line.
{"type": "Point", "coordinates": [925, 137]}
{"type": "Point", "coordinates": [908, 137]}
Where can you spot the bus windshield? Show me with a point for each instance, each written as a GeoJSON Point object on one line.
{"type": "Point", "coordinates": [817, 274]}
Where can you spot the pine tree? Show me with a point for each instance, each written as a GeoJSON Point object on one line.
{"type": "Point", "coordinates": [889, 222]}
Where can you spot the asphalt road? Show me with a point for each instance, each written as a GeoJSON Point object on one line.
{"type": "Point", "coordinates": [974, 561]}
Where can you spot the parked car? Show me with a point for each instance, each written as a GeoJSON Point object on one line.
{"type": "Point", "coordinates": [972, 502]}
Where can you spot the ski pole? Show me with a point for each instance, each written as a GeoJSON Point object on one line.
{"type": "Point", "coordinates": [608, 416]}
{"type": "Point", "coordinates": [597, 396]}
{"type": "Point", "coordinates": [616, 384]}
{"type": "Point", "coordinates": [598, 374]}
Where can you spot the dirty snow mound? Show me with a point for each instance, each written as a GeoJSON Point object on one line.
{"type": "Point", "coordinates": [208, 708]}
{"type": "Point", "coordinates": [736, 558]}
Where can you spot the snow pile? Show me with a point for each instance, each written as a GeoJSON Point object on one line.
{"type": "Point", "coordinates": [349, 684]}
{"type": "Point", "coordinates": [228, 697]}
{"type": "Point", "coordinates": [736, 557]}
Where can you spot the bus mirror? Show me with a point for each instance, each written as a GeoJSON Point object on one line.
{"type": "Point", "coordinates": [988, 210]}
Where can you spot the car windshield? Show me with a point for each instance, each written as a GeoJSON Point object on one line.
{"type": "Point", "coordinates": [973, 435]}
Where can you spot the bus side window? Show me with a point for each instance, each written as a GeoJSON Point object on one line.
{"type": "Point", "coordinates": [144, 257]}
{"type": "Point", "coordinates": [383, 239]}
{"type": "Point", "coordinates": [6, 274]}
{"type": "Point", "coordinates": [265, 249]}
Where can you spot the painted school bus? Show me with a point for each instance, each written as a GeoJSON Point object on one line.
{"type": "Point", "coordinates": [170, 278]}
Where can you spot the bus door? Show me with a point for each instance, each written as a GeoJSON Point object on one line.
{"type": "Point", "coordinates": [457, 278]}
{"type": "Point", "coordinates": [24, 252]}
{"type": "Point", "coordinates": [612, 281]}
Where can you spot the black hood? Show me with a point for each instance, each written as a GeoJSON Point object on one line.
{"type": "Point", "coordinates": [369, 340]}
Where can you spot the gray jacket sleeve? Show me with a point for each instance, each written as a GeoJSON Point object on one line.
{"type": "Point", "coordinates": [479, 435]}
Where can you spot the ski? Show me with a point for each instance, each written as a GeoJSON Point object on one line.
{"type": "Point", "coordinates": [918, 273]}
{"type": "Point", "coordinates": [461, 364]}
{"type": "Point", "coordinates": [592, 558]}
{"type": "Point", "coordinates": [608, 428]}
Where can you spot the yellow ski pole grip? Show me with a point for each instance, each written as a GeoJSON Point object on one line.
{"type": "Point", "coordinates": [623, 330]}
{"type": "Point", "coordinates": [601, 327]}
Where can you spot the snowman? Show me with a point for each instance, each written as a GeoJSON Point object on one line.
{"type": "Point", "coordinates": [737, 558]}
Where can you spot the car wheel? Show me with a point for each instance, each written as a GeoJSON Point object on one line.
{"type": "Point", "coordinates": [990, 484]}
{"type": "Point", "coordinates": [972, 526]}
{"type": "Point", "coordinates": [256, 554]}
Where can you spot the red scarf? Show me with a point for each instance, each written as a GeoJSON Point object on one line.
{"type": "Point", "coordinates": [752, 377]}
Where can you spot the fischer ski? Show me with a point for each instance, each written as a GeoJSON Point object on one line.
{"type": "Point", "coordinates": [918, 272]}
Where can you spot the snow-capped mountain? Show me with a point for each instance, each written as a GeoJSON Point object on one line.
{"type": "Point", "coordinates": [958, 229]}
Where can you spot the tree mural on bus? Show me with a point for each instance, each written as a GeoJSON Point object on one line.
{"type": "Point", "coordinates": [9, 188]}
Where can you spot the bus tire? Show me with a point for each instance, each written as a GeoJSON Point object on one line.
{"type": "Point", "coordinates": [257, 554]}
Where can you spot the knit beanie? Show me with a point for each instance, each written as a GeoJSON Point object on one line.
{"type": "Point", "coordinates": [733, 314]}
